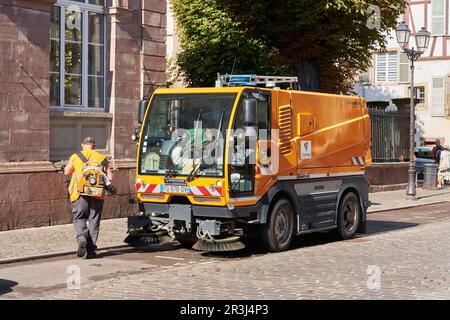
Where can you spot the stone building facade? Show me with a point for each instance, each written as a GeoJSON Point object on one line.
{"type": "Point", "coordinates": [69, 69]}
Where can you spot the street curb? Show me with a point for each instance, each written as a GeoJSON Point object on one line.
{"type": "Point", "coordinates": [56, 254]}
{"type": "Point", "coordinates": [408, 206]}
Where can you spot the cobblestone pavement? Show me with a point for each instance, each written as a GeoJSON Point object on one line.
{"type": "Point", "coordinates": [412, 263]}
{"type": "Point", "coordinates": [54, 239]}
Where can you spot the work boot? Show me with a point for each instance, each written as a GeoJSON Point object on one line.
{"type": "Point", "coordinates": [81, 250]}
{"type": "Point", "coordinates": [91, 255]}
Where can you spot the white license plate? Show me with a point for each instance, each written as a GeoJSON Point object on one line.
{"type": "Point", "coordinates": [176, 189]}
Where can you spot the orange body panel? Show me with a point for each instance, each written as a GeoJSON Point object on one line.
{"type": "Point", "coordinates": [335, 127]}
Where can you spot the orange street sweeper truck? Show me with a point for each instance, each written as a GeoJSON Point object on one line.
{"type": "Point", "coordinates": [246, 159]}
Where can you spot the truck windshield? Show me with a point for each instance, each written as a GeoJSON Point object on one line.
{"type": "Point", "coordinates": [183, 135]}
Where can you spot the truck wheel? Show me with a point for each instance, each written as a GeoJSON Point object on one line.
{"type": "Point", "coordinates": [277, 234]}
{"type": "Point", "coordinates": [348, 217]}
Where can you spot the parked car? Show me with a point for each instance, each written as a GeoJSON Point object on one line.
{"type": "Point", "coordinates": [423, 155]}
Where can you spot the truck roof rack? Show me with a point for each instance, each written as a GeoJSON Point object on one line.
{"type": "Point", "coordinates": [253, 80]}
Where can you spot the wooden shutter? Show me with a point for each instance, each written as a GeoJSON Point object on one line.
{"type": "Point", "coordinates": [381, 67]}
{"type": "Point", "coordinates": [392, 66]}
{"type": "Point", "coordinates": [403, 74]}
{"type": "Point", "coordinates": [438, 17]}
{"type": "Point", "coordinates": [447, 95]}
{"type": "Point", "coordinates": [437, 97]}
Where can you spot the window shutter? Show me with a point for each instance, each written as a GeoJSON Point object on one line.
{"type": "Point", "coordinates": [404, 68]}
{"type": "Point", "coordinates": [392, 66]}
{"type": "Point", "coordinates": [437, 17]}
{"type": "Point", "coordinates": [381, 67]}
{"type": "Point", "coordinates": [447, 96]}
{"type": "Point", "coordinates": [437, 97]}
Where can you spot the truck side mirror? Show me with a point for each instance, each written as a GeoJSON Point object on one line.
{"type": "Point", "coordinates": [250, 118]}
{"type": "Point", "coordinates": [141, 111]}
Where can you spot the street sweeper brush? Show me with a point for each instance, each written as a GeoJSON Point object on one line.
{"type": "Point", "coordinates": [146, 237]}
{"type": "Point", "coordinates": [219, 245]}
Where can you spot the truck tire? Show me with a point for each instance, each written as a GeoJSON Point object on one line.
{"type": "Point", "coordinates": [277, 234]}
{"type": "Point", "coordinates": [348, 217]}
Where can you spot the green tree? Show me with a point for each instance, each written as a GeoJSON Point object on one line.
{"type": "Point", "coordinates": [324, 42]}
{"type": "Point", "coordinates": [212, 42]}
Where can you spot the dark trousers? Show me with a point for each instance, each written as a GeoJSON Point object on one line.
{"type": "Point", "coordinates": [87, 209]}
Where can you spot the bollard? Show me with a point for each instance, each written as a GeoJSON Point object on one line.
{"type": "Point", "coordinates": [430, 176]}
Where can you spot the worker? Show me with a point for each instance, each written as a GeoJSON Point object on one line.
{"type": "Point", "coordinates": [436, 151]}
{"type": "Point", "coordinates": [86, 207]}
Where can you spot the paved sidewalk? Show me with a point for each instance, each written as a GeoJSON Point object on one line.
{"type": "Point", "coordinates": [27, 243]}
{"type": "Point", "coordinates": [390, 200]}
{"type": "Point", "coordinates": [23, 243]}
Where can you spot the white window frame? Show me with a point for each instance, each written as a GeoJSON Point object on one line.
{"type": "Point", "coordinates": [416, 91]}
{"type": "Point", "coordinates": [85, 8]}
{"type": "Point", "coordinates": [386, 54]}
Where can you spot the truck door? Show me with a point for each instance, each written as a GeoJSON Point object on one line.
{"type": "Point", "coordinates": [242, 168]}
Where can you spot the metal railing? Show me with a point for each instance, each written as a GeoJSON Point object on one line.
{"type": "Point", "coordinates": [390, 136]}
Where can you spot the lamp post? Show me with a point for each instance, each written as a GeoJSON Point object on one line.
{"type": "Point", "coordinates": [422, 39]}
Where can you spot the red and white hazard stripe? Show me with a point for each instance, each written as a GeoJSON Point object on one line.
{"type": "Point", "coordinates": [358, 161]}
{"type": "Point", "coordinates": [207, 191]}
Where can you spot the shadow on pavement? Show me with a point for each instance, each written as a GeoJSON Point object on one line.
{"type": "Point", "coordinates": [312, 239]}
{"type": "Point", "coordinates": [6, 286]}
{"type": "Point", "coordinates": [253, 248]}
{"type": "Point", "coordinates": [377, 226]}
{"type": "Point", "coordinates": [141, 249]}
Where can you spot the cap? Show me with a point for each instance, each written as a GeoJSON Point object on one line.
{"type": "Point", "coordinates": [88, 140]}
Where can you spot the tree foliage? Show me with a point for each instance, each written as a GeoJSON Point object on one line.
{"type": "Point", "coordinates": [212, 42]}
{"type": "Point", "coordinates": [324, 42]}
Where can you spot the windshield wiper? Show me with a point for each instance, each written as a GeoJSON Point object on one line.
{"type": "Point", "coordinates": [171, 172]}
{"type": "Point", "coordinates": [194, 172]}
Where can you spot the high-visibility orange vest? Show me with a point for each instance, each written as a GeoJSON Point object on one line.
{"type": "Point", "coordinates": [93, 158]}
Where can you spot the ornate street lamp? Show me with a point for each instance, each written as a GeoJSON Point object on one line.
{"type": "Point", "coordinates": [423, 39]}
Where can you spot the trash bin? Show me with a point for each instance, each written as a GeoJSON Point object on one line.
{"type": "Point", "coordinates": [430, 174]}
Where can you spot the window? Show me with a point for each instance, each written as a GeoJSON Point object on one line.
{"type": "Point", "coordinates": [437, 97]}
{"type": "Point", "coordinates": [77, 48]}
{"type": "Point", "coordinates": [419, 93]}
{"type": "Point", "coordinates": [438, 17]}
{"type": "Point", "coordinates": [387, 67]}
